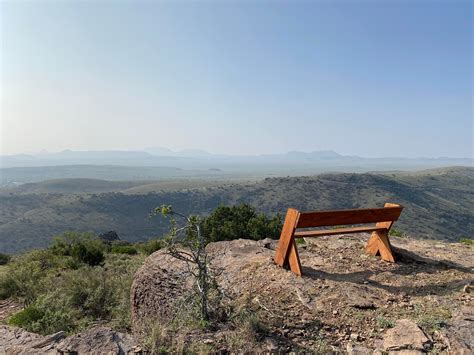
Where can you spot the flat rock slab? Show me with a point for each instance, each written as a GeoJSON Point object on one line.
{"type": "Point", "coordinates": [406, 335]}
{"type": "Point", "coordinates": [97, 340]}
{"type": "Point", "coordinates": [460, 331]}
{"type": "Point", "coordinates": [100, 340]}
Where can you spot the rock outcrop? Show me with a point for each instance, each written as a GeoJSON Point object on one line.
{"type": "Point", "coordinates": [346, 297]}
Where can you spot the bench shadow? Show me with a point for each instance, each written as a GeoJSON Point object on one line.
{"type": "Point", "coordinates": [404, 256]}
{"type": "Point", "coordinates": [407, 263]}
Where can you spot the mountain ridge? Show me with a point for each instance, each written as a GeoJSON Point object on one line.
{"type": "Point", "coordinates": [199, 158]}
{"type": "Point", "coordinates": [438, 205]}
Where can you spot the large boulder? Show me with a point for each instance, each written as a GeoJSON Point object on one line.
{"type": "Point", "coordinates": [163, 281]}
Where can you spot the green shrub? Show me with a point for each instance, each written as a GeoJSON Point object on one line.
{"type": "Point", "coordinates": [82, 247]}
{"type": "Point", "coordinates": [92, 292]}
{"type": "Point", "coordinates": [466, 241]}
{"type": "Point", "coordinates": [90, 253]}
{"type": "Point", "coordinates": [396, 233]}
{"type": "Point", "coordinates": [8, 286]}
{"type": "Point", "coordinates": [124, 249]}
{"type": "Point", "coordinates": [150, 246]}
{"type": "Point", "coordinates": [26, 317]}
{"type": "Point", "coordinates": [242, 221]}
{"type": "Point", "coordinates": [24, 275]}
{"type": "Point", "coordinates": [62, 292]}
{"type": "Point", "coordinates": [49, 314]}
{"type": "Point", "coordinates": [4, 259]}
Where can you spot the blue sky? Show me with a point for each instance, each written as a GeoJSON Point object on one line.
{"type": "Point", "coordinates": [369, 78]}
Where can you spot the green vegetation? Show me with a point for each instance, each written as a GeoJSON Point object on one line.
{"type": "Point", "coordinates": [70, 285]}
{"type": "Point", "coordinates": [384, 322]}
{"type": "Point", "coordinates": [242, 221]}
{"type": "Point", "coordinates": [82, 247]}
{"type": "Point", "coordinates": [466, 241]}
{"type": "Point", "coordinates": [124, 249]}
{"type": "Point", "coordinates": [4, 259]}
{"type": "Point", "coordinates": [79, 279]}
{"type": "Point", "coordinates": [396, 233]}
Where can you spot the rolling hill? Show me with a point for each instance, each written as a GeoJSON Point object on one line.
{"type": "Point", "coordinates": [439, 204]}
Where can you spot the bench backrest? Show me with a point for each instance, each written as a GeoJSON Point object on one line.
{"type": "Point", "coordinates": [344, 217]}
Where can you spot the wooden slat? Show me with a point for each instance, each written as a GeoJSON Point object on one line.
{"type": "Point", "coordinates": [319, 233]}
{"type": "Point", "coordinates": [353, 216]}
{"type": "Point", "coordinates": [286, 237]}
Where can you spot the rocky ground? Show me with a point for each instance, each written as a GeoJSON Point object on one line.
{"type": "Point", "coordinates": [346, 301]}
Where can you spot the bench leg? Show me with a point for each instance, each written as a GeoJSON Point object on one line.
{"type": "Point", "coordinates": [294, 259]}
{"type": "Point", "coordinates": [286, 254]}
{"type": "Point", "coordinates": [286, 238]}
{"type": "Point", "coordinates": [380, 244]}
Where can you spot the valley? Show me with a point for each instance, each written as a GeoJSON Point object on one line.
{"type": "Point", "coordinates": [439, 203]}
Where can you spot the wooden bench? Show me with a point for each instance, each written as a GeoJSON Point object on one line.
{"type": "Point", "coordinates": [286, 254]}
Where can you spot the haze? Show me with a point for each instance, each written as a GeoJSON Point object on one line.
{"type": "Point", "coordinates": [360, 78]}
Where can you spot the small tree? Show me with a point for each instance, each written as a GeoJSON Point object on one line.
{"type": "Point", "coordinates": [187, 243]}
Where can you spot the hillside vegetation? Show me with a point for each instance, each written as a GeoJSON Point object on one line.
{"type": "Point", "coordinates": [439, 204]}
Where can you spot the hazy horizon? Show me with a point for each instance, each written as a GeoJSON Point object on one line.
{"type": "Point", "coordinates": [192, 151]}
{"type": "Point", "coordinates": [238, 78]}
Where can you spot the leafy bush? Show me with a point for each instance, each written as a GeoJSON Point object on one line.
{"type": "Point", "coordinates": [396, 233]}
{"type": "Point", "coordinates": [23, 276]}
{"type": "Point", "coordinates": [124, 249]}
{"type": "Point", "coordinates": [150, 246]}
{"type": "Point", "coordinates": [49, 314]}
{"type": "Point", "coordinates": [26, 317]}
{"type": "Point", "coordinates": [91, 291]}
{"type": "Point", "coordinates": [82, 247]}
{"type": "Point", "coordinates": [8, 287]}
{"type": "Point", "coordinates": [234, 222]}
{"type": "Point", "coordinates": [466, 241]}
{"type": "Point", "coordinates": [4, 259]}
{"type": "Point", "coordinates": [88, 253]}
{"type": "Point", "coordinates": [62, 293]}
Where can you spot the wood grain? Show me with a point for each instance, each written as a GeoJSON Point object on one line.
{"type": "Point", "coordinates": [322, 232]}
{"type": "Point", "coordinates": [354, 216]}
{"type": "Point", "coordinates": [379, 241]}
{"type": "Point", "coordinates": [294, 259]}
{"type": "Point", "coordinates": [286, 237]}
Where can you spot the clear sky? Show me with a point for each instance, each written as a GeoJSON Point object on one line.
{"type": "Point", "coordinates": [369, 78]}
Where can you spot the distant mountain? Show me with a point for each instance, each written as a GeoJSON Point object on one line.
{"type": "Point", "coordinates": [202, 160]}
